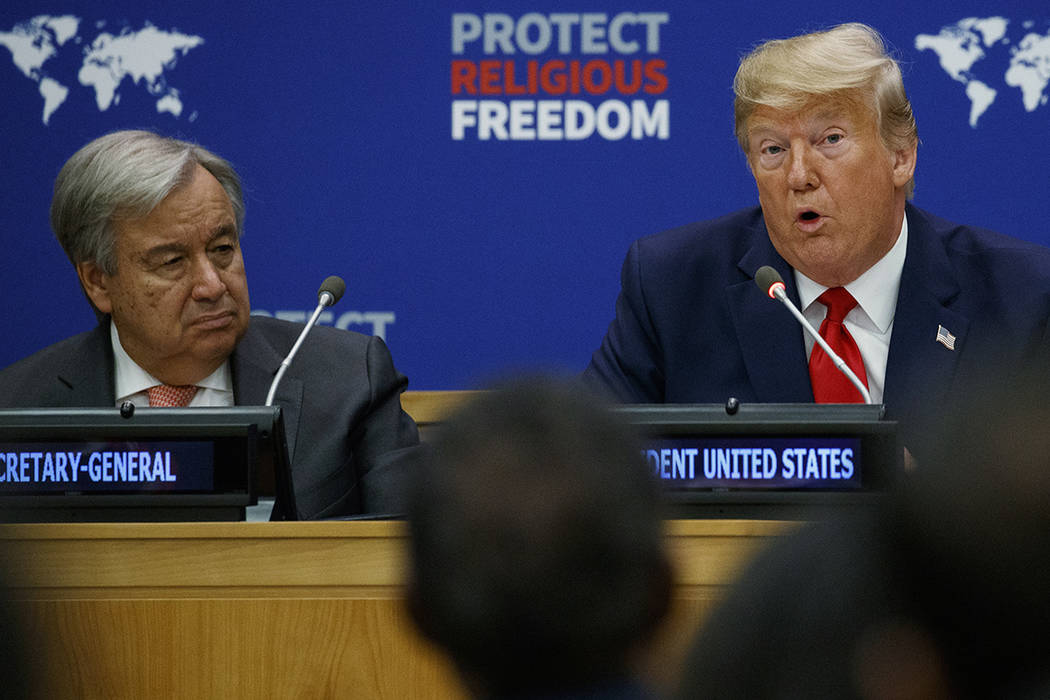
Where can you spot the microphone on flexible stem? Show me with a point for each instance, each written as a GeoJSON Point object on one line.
{"type": "Point", "coordinates": [770, 282]}
{"type": "Point", "coordinates": [330, 292]}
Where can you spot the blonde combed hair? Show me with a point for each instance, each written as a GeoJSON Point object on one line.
{"type": "Point", "coordinates": [848, 62]}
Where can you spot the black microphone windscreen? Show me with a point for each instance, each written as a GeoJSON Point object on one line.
{"type": "Point", "coordinates": [335, 286]}
{"type": "Point", "coordinates": [766, 277]}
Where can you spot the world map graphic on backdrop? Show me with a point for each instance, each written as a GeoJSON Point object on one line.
{"type": "Point", "coordinates": [1024, 64]}
{"type": "Point", "coordinates": [142, 55]}
{"type": "Point", "coordinates": [473, 257]}
{"type": "Point", "coordinates": [985, 54]}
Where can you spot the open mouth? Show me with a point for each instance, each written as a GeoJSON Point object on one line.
{"type": "Point", "coordinates": [809, 216]}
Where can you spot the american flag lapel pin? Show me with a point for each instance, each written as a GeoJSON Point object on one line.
{"type": "Point", "coordinates": [945, 337]}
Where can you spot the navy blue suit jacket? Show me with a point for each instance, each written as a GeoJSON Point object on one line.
{"type": "Point", "coordinates": [351, 445]}
{"type": "Point", "coordinates": [692, 326]}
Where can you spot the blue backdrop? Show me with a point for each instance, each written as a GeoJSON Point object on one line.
{"type": "Point", "coordinates": [479, 212]}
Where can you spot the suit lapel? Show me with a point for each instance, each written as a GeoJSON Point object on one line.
{"type": "Point", "coordinates": [770, 339]}
{"type": "Point", "coordinates": [920, 369]}
{"type": "Point", "coordinates": [255, 362]}
{"type": "Point", "coordinates": [85, 378]}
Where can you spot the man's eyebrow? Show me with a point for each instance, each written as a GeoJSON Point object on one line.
{"type": "Point", "coordinates": [222, 230]}
{"type": "Point", "coordinates": [762, 128]}
{"type": "Point", "coordinates": [163, 250]}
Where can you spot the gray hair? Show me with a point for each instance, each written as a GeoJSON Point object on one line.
{"type": "Point", "coordinates": [848, 62]}
{"type": "Point", "coordinates": [125, 175]}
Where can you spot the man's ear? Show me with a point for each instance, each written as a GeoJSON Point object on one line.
{"type": "Point", "coordinates": [904, 164]}
{"type": "Point", "coordinates": [96, 284]}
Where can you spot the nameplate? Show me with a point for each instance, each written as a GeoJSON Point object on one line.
{"type": "Point", "coordinates": [761, 462]}
{"type": "Point", "coordinates": [111, 467]}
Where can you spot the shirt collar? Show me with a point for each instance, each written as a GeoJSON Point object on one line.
{"type": "Point", "coordinates": [130, 378]}
{"type": "Point", "coordinates": [875, 290]}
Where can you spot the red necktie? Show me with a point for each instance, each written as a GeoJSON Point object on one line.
{"type": "Point", "coordinates": [829, 384]}
{"type": "Point", "coordinates": [167, 396]}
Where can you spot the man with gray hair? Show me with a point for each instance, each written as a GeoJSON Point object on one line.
{"type": "Point", "coordinates": [917, 306]}
{"type": "Point", "coordinates": [152, 226]}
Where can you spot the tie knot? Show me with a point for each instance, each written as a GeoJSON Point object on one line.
{"type": "Point", "coordinates": [839, 303]}
{"type": "Point", "coordinates": [167, 396]}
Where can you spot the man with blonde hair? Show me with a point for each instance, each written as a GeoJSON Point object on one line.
{"type": "Point", "coordinates": [917, 306]}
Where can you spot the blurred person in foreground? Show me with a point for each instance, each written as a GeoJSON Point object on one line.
{"type": "Point", "coordinates": [153, 228]}
{"type": "Point", "coordinates": [538, 561]}
{"type": "Point", "coordinates": [942, 593]}
{"type": "Point", "coordinates": [917, 306]}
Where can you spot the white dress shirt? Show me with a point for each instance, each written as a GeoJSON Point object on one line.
{"type": "Point", "coordinates": [131, 381]}
{"type": "Point", "coordinates": [871, 320]}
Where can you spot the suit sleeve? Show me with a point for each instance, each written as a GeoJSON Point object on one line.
{"type": "Point", "coordinates": [385, 441]}
{"type": "Point", "coordinates": [628, 365]}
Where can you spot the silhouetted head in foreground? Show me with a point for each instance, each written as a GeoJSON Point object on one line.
{"type": "Point", "coordinates": [538, 561]}
{"type": "Point", "coordinates": [941, 594]}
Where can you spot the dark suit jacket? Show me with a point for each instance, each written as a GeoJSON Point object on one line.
{"type": "Point", "coordinates": [692, 327]}
{"type": "Point", "coordinates": [349, 441]}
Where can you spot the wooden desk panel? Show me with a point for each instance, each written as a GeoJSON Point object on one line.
{"type": "Point", "coordinates": [281, 610]}
{"type": "Point", "coordinates": [430, 407]}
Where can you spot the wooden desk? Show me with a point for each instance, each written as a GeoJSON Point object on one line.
{"type": "Point", "coordinates": [429, 407]}
{"type": "Point", "coordinates": [279, 610]}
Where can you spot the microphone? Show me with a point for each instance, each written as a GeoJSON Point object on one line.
{"type": "Point", "coordinates": [770, 282]}
{"type": "Point", "coordinates": [330, 292]}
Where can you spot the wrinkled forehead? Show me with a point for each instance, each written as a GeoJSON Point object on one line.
{"type": "Point", "coordinates": [196, 210]}
{"type": "Point", "coordinates": [813, 110]}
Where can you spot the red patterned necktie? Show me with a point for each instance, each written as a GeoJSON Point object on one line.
{"type": "Point", "coordinates": [167, 396]}
{"type": "Point", "coordinates": [829, 384]}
